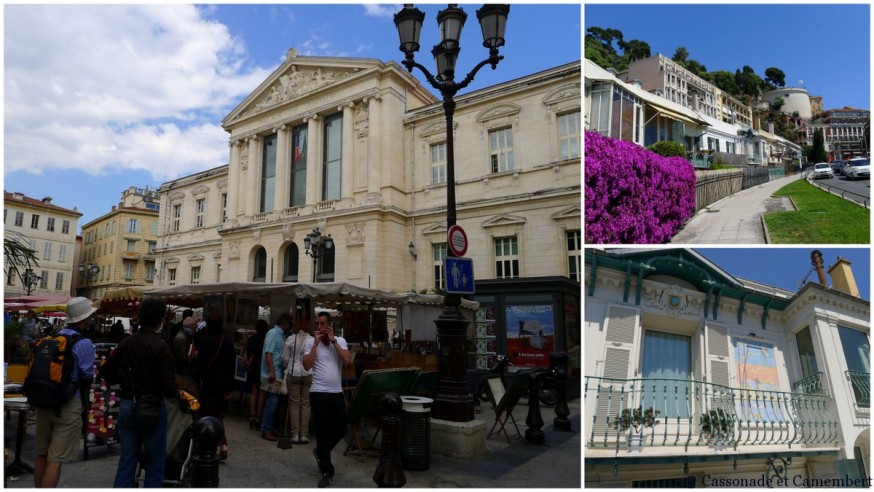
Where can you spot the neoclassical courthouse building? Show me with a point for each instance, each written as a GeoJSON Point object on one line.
{"type": "Point", "coordinates": [356, 148]}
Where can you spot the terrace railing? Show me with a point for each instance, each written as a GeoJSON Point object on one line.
{"type": "Point", "coordinates": [861, 387]}
{"type": "Point", "coordinates": [810, 385]}
{"type": "Point", "coordinates": [680, 412]}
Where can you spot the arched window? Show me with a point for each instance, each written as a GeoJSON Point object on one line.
{"type": "Point", "coordinates": [259, 272]}
{"type": "Point", "coordinates": [290, 263]}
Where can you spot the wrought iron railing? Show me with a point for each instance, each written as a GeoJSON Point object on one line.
{"type": "Point", "coordinates": [810, 385]}
{"type": "Point", "coordinates": [679, 412]}
{"type": "Point", "coordinates": [861, 387]}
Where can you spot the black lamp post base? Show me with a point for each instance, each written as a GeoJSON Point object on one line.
{"type": "Point", "coordinates": [453, 402]}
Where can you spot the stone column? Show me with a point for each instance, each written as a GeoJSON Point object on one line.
{"type": "Point", "coordinates": [374, 141]}
{"type": "Point", "coordinates": [314, 159]}
{"type": "Point", "coordinates": [233, 180]}
{"type": "Point", "coordinates": [283, 167]}
{"type": "Point", "coordinates": [348, 166]}
{"type": "Point", "coordinates": [253, 177]}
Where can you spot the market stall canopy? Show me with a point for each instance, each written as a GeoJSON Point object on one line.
{"type": "Point", "coordinates": [48, 302]}
{"type": "Point", "coordinates": [335, 295]}
{"type": "Point", "coordinates": [29, 300]}
{"type": "Point", "coordinates": [124, 301]}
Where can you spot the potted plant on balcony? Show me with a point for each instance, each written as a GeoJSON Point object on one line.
{"type": "Point", "coordinates": [635, 419]}
{"type": "Point", "coordinates": [717, 425]}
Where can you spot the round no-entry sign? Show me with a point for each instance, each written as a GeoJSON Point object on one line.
{"type": "Point", "coordinates": [457, 240]}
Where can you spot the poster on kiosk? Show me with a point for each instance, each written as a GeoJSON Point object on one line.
{"type": "Point", "coordinates": [530, 334]}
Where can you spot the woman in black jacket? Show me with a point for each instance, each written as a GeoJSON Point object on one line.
{"type": "Point", "coordinates": [214, 371]}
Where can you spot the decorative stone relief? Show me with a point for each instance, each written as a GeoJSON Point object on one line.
{"type": "Point", "coordinates": [234, 249]}
{"type": "Point", "coordinates": [256, 235]}
{"type": "Point", "coordinates": [244, 156]}
{"type": "Point", "coordinates": [362, 117]}
{"type": "Point", "coordinates": [673, 300]}
{"type": "Point", "coordinates": [287, 233]}
{"type": "Point", "coordinates": [294, 83]}
{"type": "Point", "coordinates": [354, 236]}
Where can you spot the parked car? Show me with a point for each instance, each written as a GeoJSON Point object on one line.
{"type": "Point", "coordinates": [858, 167]}
{"type": "Point", "coordinates": [822, 170]}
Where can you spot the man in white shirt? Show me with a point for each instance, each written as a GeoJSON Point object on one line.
{"type": "Point", "coordinates": [325, 355]}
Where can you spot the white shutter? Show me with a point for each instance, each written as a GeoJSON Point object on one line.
{"type": "Point", "coordinates": [718, 354]}
{"type": "Point", "coordinates": [622, 333]}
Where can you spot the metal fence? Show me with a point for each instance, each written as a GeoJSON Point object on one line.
{"type": "Point", "coordinates": [681, 412]}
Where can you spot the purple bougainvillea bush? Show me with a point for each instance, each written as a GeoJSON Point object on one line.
{"type": "Point", "coordinates": [633, 195]}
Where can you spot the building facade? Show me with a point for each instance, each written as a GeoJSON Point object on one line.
{"type": "Point", "coordinates": [49, 230]}
{"type": "Point", "coordinates": [795, 100]}
{"type": "Point", "coordinates": [118, 248]}
{"type": "Point", "coordinates": [356, 148]}
{"type": "Point", "coordinates": [693, 375]}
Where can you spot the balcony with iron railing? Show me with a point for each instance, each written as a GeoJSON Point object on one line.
{"type": "Point", "coordinates": [860, 381]}
{"type": "Point", "coordinates": [811, 385]}
{"type": "Point", "coordinates": [686, 413]}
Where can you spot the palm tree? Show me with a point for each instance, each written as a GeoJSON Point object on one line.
{"type": "Point", "coordinates": [19, 258]}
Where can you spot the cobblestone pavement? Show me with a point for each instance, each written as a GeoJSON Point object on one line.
{"type": "Point", "coordinates": [256, 463]}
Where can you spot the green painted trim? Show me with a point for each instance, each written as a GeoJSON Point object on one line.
{"type": "Point", "coordinates": [740, 311]}
{"type": "Point", "coordinates": [591, 291]}
{"type": "Point", "coordinates": [765, 314]}
{"type": "Point", "coordinates": [716, 302]}
{"type": "Point", "coordinates": [656, 460]}
{"type": "Point", "coordinates": [627, 282]}
{"type": "Point", "coordinates": [707, 300]}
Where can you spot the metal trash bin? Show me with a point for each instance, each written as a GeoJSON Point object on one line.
{"type": "Point", "coordinates": [416, 433]}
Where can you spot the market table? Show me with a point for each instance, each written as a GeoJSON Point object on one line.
{"type": "Point", "coordinates": [17, 404]}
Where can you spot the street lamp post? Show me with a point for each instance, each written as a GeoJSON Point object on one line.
{"type": "Point", "coordinates": [89, 272]}
{"type": "Point", "coordinates": [317, 246]}
{"type": "Point", "coordinates": [453, 401]}
{"type": "Point", "coordinates": [30, 280]}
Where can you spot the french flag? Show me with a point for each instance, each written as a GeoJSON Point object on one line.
{"type": "Point", "coordinates": [300, 141]}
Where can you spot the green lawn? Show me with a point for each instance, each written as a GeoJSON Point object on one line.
{"type": "Point", "coordinates": [821, 218]}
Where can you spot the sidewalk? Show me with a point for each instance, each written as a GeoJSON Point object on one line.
{"type": "Point", "coordinates": [256, 463]}
{"type": "Point", "coordinates": [736, 219]}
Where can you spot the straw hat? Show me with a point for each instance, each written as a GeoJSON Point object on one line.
{"type": "Point", "coordinates": [79, 308]}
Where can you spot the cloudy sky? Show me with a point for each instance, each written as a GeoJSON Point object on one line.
{"type": "Point", "coordinates": [98, 98]}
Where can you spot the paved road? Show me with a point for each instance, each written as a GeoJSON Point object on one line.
{"type": "Point", "coordinates": [256, 463]}
{"type": "Point", "coordinates": [857, 191]}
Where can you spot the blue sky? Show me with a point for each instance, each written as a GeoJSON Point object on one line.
{"type": "Point", "coordinates": [98, 98]}
{"type": "Point", "coordinates": [788, 267]}
{"type": "Point", "coordinates": [827, 46]}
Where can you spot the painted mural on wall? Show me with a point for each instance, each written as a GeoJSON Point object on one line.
{"type": "Point", "coordinates": [530, 334]}
{"type": "Point", "coordinates": [758, 385]}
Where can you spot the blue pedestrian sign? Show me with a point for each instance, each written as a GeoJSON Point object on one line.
{"type": "Point", "coordinates": [459, 275]}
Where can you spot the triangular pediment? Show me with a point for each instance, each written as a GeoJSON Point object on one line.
{"type": "Point", "coordinates": [434, 229]}
{"type": "Point", "coordinates": [504, 219]}
{"type": "Point", "coordinates": [299, 78]}
{"type": "Point", "coordinates": [572, 212]}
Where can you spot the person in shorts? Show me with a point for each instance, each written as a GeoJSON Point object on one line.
{"type": "Point", "coordinates": [59, 432]}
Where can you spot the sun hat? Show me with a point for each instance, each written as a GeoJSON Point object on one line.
{"type": "Point", "coordinates": [79, 308]}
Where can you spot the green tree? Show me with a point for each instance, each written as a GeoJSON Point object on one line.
{"type": "Point", "coordinates": [775, 76]}
{"type": "Point", "coordinates": [724, 80]}
{"type": "Point", "coordinates": [600, 49]}
{"type": "Point", "coordinates": [747, 81]}
{"type": "Point", "coordinates": [778, 103]}
{"type": "Point", "coordinates": [696, 68]}
{"type": "Point", "coordinates": [818, 153]}
{"type": "Point", "coordinates": [634, 50]}
{"type": "Point", "coordinates": [680, 55]}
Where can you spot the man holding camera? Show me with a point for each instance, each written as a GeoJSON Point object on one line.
{"type": "Point", "coordinates": [326, 355]}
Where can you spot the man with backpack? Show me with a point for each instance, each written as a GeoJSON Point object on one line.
{"type": "Point", "coordinates": [59, 426]}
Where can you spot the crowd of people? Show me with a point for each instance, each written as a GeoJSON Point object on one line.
{"type": "Point", "coordinates": [151, 367]}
